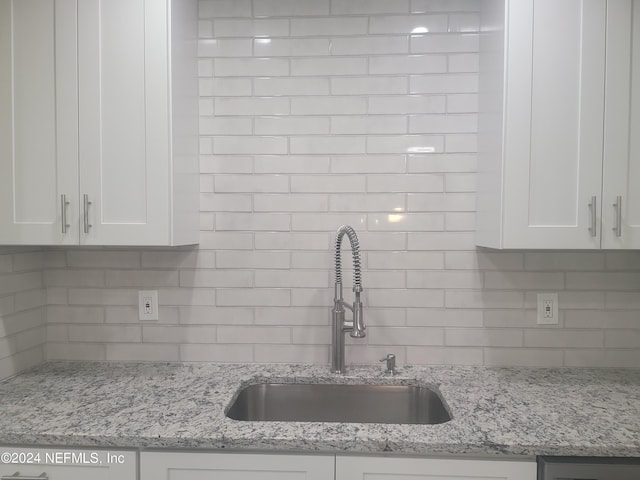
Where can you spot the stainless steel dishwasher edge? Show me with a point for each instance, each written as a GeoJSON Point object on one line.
{"type": "Point", "coordinates": [588, 468]}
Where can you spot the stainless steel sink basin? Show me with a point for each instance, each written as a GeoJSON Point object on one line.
{"type": "Point", "coordinates": [338, 403]}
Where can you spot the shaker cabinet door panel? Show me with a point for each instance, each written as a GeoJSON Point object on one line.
{"type": "Point", "coordinates": [554, 120]}
{"type": "Point", "coordinates": [235, 466]}
{"type": "Point", "coordinates": [124, 123]}
{"type": "Point", "coordinates": [621, 195]}
{"type": "Point", "coordinates": [373, 468]}
{"type": "Point", "coordinates": [69, 464]}
{"type": "Point", "coordinates": [38, 122]}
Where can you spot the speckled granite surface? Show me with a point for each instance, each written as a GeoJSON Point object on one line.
{"type": "Point", "coordinates": [495, 411]}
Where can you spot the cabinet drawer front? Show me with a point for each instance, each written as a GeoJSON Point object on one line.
{"type": "Point", "coordinates": [69, 464]}
{"type": "Point", "coordinates": [374, 468]}
{"type": "Point", "coordinates": [235, 466]}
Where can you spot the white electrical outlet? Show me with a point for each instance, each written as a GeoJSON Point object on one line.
{"type": "Point", "coordinates": [547, 309]}
{"type": "Point", "coordinates": [148, 304]}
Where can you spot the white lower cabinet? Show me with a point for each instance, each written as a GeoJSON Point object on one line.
{"type": "Point", "coordinates": [235, 466]}
{"type": "Point", "coordinates": [67, 464]}
{"type": "Point", "coordinates": [389, 468]}
{"type": "Point", "coordinates": [242, 466]}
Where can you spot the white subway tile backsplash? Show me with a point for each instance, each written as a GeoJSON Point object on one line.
{"type": "Point", "coordinates": [142, 352]}
{"type": "Point", "coordinates": [290, 47]}
{"type": "Point", "coordinates": [437, 163]}
{"type": "Point", "coordinates": [424, 6]}
{"type": "Point", "coordinates": [224, 8]}
{"type": "Point", "coordinates": [405, 144]}
{"type": "Point", "coordinates": [443, 124]}
{"type": "Point", "coordinates": [464, 63]}
{"type": "Point", "coordinates": [368, 124]}
{"type": "Point", "coordinates": [314, 114]}
{"type": "Point", "coordinates": [464, 22]}
{"type": "Point", "coordinates": [444, 43]}
{"type": "Point", "coordinates": [409, 64]}
{"type": "Point", "coordinates": [446, 83]}
{"type": "Point", "coordinates": [178, 334]}
{"type": "Point", "coordinates": [257, 297]}
{"type": "Point", "coordinates": [89, 352]}
{"type": "Point", "coordinates": [408, 24]}
{"type": "Point", "coordinates": [405, 183]}
{"type": "Point", "coordinates": [329, 66]}
{"type": "Point", "coordinates": [216, 353]}
{"type": "Point", "coordinates": [291, 203]}
{"type": "Point", "coordinates": [563, 338]}
{"type": "Point", "coordinates": [446, 279]}
{"type": "Point", "coordinates": [224, 47]}
{"type": "Point", "coordinates": [523, 357]}
{"type": "Point", "coordinates": [245, 144]}
{"type": "Point", "coordinates": [333, 105]}
{"type": "Point", "coordinates": [327, 145]}
{"type": "Point", "coordinates": [406, 104]}
{"type": "Point", "coordinates": [251, 183]}
{"type": "Point", "coordinates": [291, 278]}
{"type": "Point", "coordinates": [207, 315]}
{"type": "Point", "coordinates": [291, 241]}
{"type": "Point", "coordinates": [256, 27]}
{"type": "Point", "coordinates": [444, 356]}
{"type": "Point", "coordinates": [369, 85]}
{"type": "Point", "coordinates": [378, 45]}
{"type": "Point", "coordinates": [251, 67]}
{"type": "Point", "coordinates": [226, 240]}
{"type": "Point", "coordinates": [288, 86]}
{"type": "Point", "coordinates": [253, 259]}
{"type": "Point", "coordinates": [225, 202]}
{"type": "Point", "coordinates": [216, 278]}
{"type": "Point", "coordinates": [405, 260]}
{"type": "Point", "coordinates": [223, 87]}
{"type": "Point", "coordinates": [487, 337]}
{"type": "Point", "coordinates": [290, 8]}
{"type": "Point", "coordinates": [292, 164]}
{"type": "Point", "coordinates": [301, 27]}
{"type": "Point", "coordinates": [368, 164]}
{"type": "Point", "coordinates": [291, 353]}
{"type": "Point", "coordinates": [69, 314]}
{"type": "Point", "coordinates": [406, 336]}
{"type": "Point", "coordinates": [462, 103]}
{"type": "Point", "coordinates": [105, 333]}
{"type": "Point", "coordinates": [291, 316]}
{"type": "Point", "coordinates": [367, 202]}
{"type": "Point", "coordinates": [251, 106]}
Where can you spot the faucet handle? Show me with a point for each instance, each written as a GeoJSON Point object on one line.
{"type": "Point", "coordinates": [391, 363]}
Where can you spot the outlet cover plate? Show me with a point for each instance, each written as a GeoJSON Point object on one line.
{"type": "Point", "coordinates": [148, 304]}
{"type": "Point", "coordinates": [547, 302]}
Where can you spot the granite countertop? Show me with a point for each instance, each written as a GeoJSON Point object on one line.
{"type": "Point", "coordinates": [496, 411]}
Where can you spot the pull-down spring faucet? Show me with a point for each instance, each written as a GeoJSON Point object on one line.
{"type": "Point", "coordinates": [339, 325]}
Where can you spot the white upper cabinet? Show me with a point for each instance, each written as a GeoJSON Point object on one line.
{"type": "Point", "coordinates": [101, 122]}
{"type": "Point", "coordinates": [38, 121]}
{"type": "Point", "coordinates": [546, 171]}
{"type": "Point", "coordinates": [621, 192]}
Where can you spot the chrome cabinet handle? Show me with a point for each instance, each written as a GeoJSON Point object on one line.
{"type": "Point", "coordinates": [593, 206]}
{"type": "Point", "coordinates": [17, 476]}
{"type": "Point", "coordinates": [87, 225]}
{"type": "Point", "coordinates": [63, 209]}
{"type": "Point", "coordinates": [618, 207]}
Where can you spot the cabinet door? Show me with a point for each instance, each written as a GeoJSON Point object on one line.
{"type": "Point", "coordinates": [554, 121]}
{"type": "Point", "coordinates": [370, 468]}
{"type": "Point", "coordinates": [38, 121]}
{"type": "Point", "coordinates": [235, 466]}
{"type": "Point", "coordinates": [621, 195]}
{"type": "Point", "coordinates": [76, 464]}
{"type": "Point", "coordinates": [123, 121]}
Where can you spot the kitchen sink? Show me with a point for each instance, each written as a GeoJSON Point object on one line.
{"type": "Point", "coordinates": [297, 402]}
